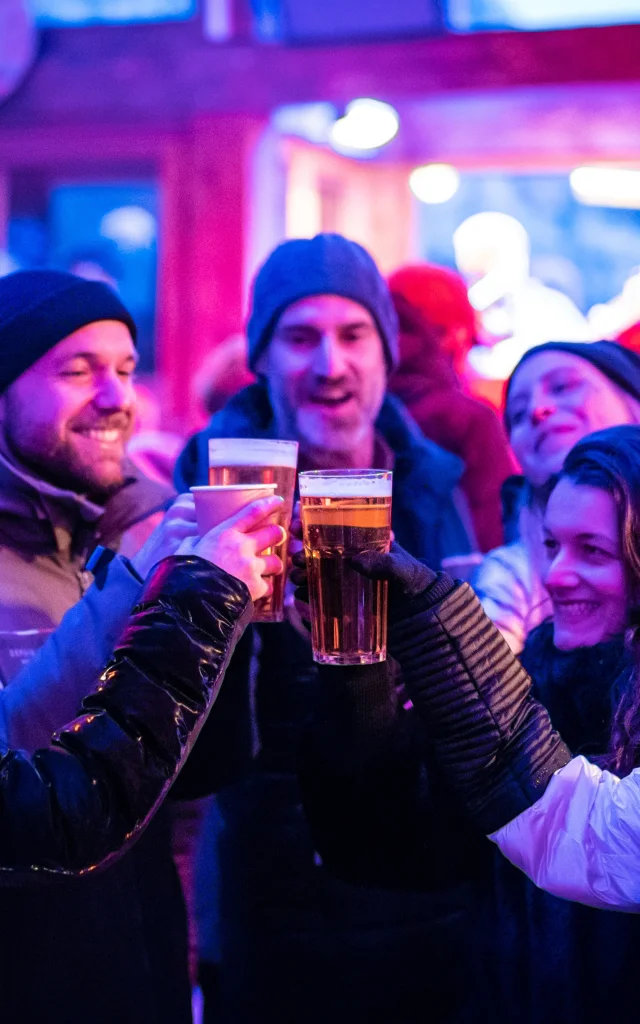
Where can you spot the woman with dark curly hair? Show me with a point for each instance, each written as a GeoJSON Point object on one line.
{"type": "Point", "coordinates": [549, 960]}
{"type": "Point", "coordinates": [584, 663]}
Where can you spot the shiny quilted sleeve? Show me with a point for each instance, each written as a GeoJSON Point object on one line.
{"type": "Point", "coordinates": [78, 804]}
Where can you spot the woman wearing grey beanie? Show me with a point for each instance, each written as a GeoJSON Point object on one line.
{"type": "Point", "coordinates": [558, 393]}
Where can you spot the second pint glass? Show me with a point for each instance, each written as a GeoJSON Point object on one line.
{"type": "Point", "coordinates": [241, 460]}
{"type": "Point", "coordinates": [346, 512]}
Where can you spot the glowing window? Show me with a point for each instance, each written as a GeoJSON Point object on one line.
{"type": "Point", "coordinates": [466, 15]}
{"type": "Point", "coordinates": [83, 12]}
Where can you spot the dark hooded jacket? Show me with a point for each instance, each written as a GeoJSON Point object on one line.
{"type": "Point", "coordinates": [297, 944]}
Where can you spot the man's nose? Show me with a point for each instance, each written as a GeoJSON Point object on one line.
{"type": "Point", "coordinates": [113, 392]}
{"type": "Point", "coordinates": [329, 358]}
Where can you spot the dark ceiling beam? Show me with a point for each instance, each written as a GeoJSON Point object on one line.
{"type": "Point", "coordinates": [168, 73]}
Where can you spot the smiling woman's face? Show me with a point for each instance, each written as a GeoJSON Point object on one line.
{"type": "Point", "coordinates": [584, 571]}
{"type": "Point", "coordinates": [556, 399]}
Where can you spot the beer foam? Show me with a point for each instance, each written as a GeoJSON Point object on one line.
{"type": "Point", "coordinates": [345, 486]}
{"type": "Point", "coordinates": [252, 451]}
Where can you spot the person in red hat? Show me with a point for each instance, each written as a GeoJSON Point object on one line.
{"type": "Point", "coordinates": [440, 295]}
{"type": "Point", "coordinates": [630, 338]}
{"type": "Point", "coordinates": [437, 329]}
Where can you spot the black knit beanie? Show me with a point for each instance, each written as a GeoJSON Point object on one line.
{"type": "Point", "coordinates": [38, 308]}
{"type": "Point", "coordinates": [620, 365]}
{"type": "Point", "coordinates": [325, 265]}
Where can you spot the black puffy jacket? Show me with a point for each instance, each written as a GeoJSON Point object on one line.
{"type": "Point", "coordinates": [80, 803]}
{"type": "Point", "coordinates": [495, 743]}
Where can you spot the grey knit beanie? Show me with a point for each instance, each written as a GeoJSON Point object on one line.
{"type": "Point", "coordinates": [620, 365]}
{"type": "Point", "coordinates": [324, 265]}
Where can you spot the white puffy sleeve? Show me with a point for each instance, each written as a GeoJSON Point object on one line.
{"type": "Point", "coordinates": [581, 840]}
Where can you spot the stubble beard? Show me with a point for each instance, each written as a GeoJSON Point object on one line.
{"type": "Point", "coordinates": [62, 468]}
{"type": "Point", "coordinates": [348, 448]}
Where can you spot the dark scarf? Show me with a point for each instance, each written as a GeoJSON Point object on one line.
{"type": "Point", "coordinates": [579, 688]}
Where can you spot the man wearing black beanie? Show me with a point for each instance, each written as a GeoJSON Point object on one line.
{"type": "Point", "coordinates": [67, 358]}
{"type": "Point", "coordinates": [67, 404]}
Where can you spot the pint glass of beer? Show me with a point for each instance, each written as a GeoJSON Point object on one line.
{"type": "Point", "coordinates": [345, 512]}
{"type": "Point", "coordinates": [240, 460]}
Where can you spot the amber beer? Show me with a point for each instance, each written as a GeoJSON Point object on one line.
{"type": "Point", "coordinates": [345, 513]}
{"type": "Point", "coordinates": [240, 460]}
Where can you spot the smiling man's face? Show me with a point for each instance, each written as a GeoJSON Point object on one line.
{"type": "Point", "coordinates": [69, 416]}
{"type": "Point", "coordinates": [326, 372]}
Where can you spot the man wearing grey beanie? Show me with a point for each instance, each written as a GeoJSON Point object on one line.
{"type": "Point", "coordinates": [322, 339]}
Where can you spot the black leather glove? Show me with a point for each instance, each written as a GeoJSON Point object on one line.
{"type": "Point", "coordinates": [413, 586]}
{"type": "Point", "coordinates": [298, 576]}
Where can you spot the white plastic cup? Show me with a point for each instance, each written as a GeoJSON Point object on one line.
{"type": "Point", "coordinates": [215, 504]}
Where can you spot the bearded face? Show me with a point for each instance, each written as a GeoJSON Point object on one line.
{"type": "Point", "coordinates": [70, 415]}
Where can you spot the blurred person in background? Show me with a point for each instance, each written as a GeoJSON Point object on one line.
{"type": "Point", "coordinates": [67, 411]}
{"type": "Point", "coordinates": [296, 944]}
{"type": "Point", "coordinates": [630, 338]}
{"type": "Point", "coordinates": [222, 375]}
{"type": "Point", "coordinates": [614, 318]}
{"type": "Point", "coordinates": [559, 393]}
{"type": "Point", "coordinates": [440, 296]}
{"type": "Point", "coordinates": [518, 311]}
{"type": "Point", "coordinates": [152, 450]}
{"type": "Point", "coordinates": [437, 330]}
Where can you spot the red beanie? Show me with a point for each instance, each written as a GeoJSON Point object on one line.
{"type": "Point", "coordinates": [439, 293]}
{"type": "Point", "coordinates": [630, 338]}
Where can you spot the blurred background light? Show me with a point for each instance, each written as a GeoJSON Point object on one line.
{"type": "Point", "coordinates": [81, 12]}
{"type": "Point", "coordinates": [218, 20]}
{"type": "Point", "coordinates": [607, 186]}
{"type": "Point", "coordinates": [434, 183]}
{"type": "Point", "coordinates": [310, 121]}
{"type": "Point", "coordinates": [366, 126]}
{"type": "Point", "coordinates": [130, 227]}
{"type": "Point", "coordinates": [17, 44]}
{"type": "Point", "coordinates": [536, 15]}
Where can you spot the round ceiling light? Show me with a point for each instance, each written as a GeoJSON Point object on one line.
{"type": "Point", "coordinates": [367, 125]}
{"type": "Point", "coordinates": [130, 227]}
{"type": "Point", "coordinates": [434, 183]}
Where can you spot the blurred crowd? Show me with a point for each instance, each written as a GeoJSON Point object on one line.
{"type": "Point", "coordinates": [314, 860]}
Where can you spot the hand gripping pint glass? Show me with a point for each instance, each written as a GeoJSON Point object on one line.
{"type": "Point", "coordinates": [240, 460]}
{"type": "Point", "coordinates": [345, 512]}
